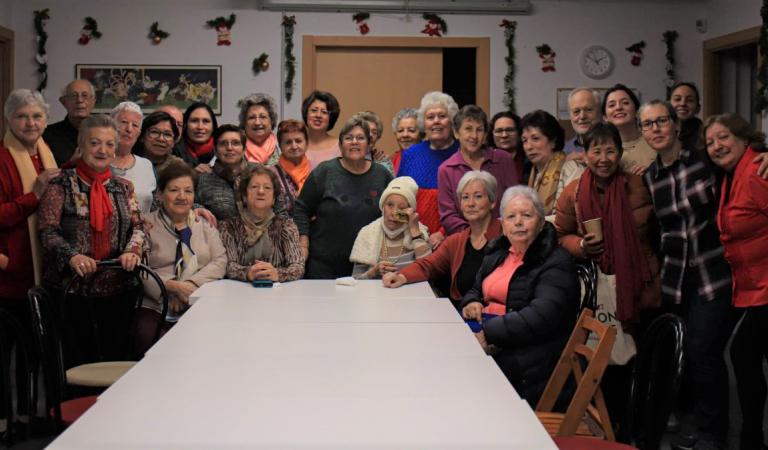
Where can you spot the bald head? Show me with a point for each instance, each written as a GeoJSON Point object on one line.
{"type": "Point", "coordinates": [177, 115]}
{"type": "Point", "coordinates": [79, 98]}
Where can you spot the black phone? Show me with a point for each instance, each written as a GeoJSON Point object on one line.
{"type": "Point", "coordinates": [261, 283]}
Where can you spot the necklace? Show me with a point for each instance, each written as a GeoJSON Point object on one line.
{"type": "Point", "coordinates": [385, 252]}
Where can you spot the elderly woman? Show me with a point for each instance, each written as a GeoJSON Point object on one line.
{"type": "Point", "coordinates": [186, 252]}
{"type": "Point", "coordinates": [530, 283]}
{"type": "Point", "coordinates": [26, 167]}
{"type": "Point", "coordinates": [217, 191]}
{"type": "Point", "coordinates": [470, 127]}
{"type": "Point", "coordinates": [196, 144]}
{"type": "Point", "coordinates": [158, 134]}
{"type": "Point", "coordinates": [732, 144]}
{"type": "Point", "coordinates": [422, 160]}
{"type": "Point", "coordinates": [393, 240]}
{"type": "Point", "coordinates": [342, 195]}
{"type": "Point", "coordinates": [258, 118]}
{"type": "Point", "coordinates": [460, 255]}
{"type": "Point", "coordinates": [405, 126]}
{"type": "Point", "coordinates": [137, 170]}
{"type": "Point", "coordinates": [543, 140]}
{"type": "Point", "coordinates": [320, 110]}
{"type": "Point", "coordinates": [375, 125]}
{"type": "Point", "coordinates": [261, 245]}
{"type": "Point", "coordinates": [88, 215]}
{"type": "Point", "coordinates": [505, 135]}
{"type": "Point", "coordinates": [620, 107]}
{"type": "Point", "coordinates": [292, 168]}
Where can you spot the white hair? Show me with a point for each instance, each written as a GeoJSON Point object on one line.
{"type": "Point", "coordinates": [18, 98]}
{"type": "Point", "coordinates": [125, 107]}
{"type": "Point", "coordinates": [440, 99]}
{"type": "Point", "coordinates": [595, 95]}
{"type": "Point", "coordinates": [90, 87]}
{"type": "Point", "coordinates": [488, 180]}
{"type": "Point", "coordinates": [405, 113]}
{"type": "Point", "coordinates": [522, 191]}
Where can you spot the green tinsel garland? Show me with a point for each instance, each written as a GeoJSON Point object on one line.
{"type": "Point", "coordinates": [670, 37]}
{"type": "Point", "coordinates": [509, 79]}
{"type": "Point", "coordinates": [761, 100]}
{"type": "Point", "coordinates": [41, 56]}
{"type": "Point", "coordinates": [290, 59]}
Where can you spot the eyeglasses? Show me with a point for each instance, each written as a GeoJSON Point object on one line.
{"type": "Point", "coordinates": [261, 117]}
{"type": "Point", "coordinates": [229, 144]}
{"type": "Point", "coordinates": [78, 95]}
{"type": "Point", "coordinates": [157, 134]}
{"type": "Point", "coordinates": [662, 122]}
{"type": "Point", "coordinates": [358, 138]}
{"type": "Point", "coordinates": [502, 131]}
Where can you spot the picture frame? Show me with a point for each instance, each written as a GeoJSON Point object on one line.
{"type": "Point", "coordinates": [561, 100]}
{"type": "Point", "coordinates": [153, 86]}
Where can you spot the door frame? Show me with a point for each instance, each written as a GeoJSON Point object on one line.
{"type": "Point", "coordinates": [482, 46]}
{"type": "Point", "coordinates": [711, 63]}
{"type": "Point", "coordinates": [6, 65]}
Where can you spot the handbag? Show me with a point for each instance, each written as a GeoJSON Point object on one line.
{"type": "Point", "coordinates": [624, 347]}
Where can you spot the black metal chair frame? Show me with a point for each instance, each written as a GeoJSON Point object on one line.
{"type": "Point", "coordinates": [587, 271]}
{"type": "Point", "coordinates": [12, 332]}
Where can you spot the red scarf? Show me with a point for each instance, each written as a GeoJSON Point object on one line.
{"type": "Point", "coordinates": [100, 209]}
{"type": "Point", "coordinates": [623, 255]}
{"type": "Point", "coordinates": [203, 152]}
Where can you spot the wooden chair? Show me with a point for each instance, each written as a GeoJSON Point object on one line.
{"type": "Point", "coordinates": [587, 414]}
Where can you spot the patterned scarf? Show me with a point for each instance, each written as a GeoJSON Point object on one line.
{"type": "Point", "coordinates": [254, 226]}
{"type": "Point", "coordinates": [260, 153]}
{"type": "Point", "coordinates": [298, 172]}
{"type": "Point", "coordinates": [100, 209]}
{"type": "Point", "coordinates": [546, 185]}
{"type": "Point", "coordinates": [623, 254]}
{"type": "Point", "coordinates": [228, 173]}
{"type": "Point", "coordinates": [186, 264]}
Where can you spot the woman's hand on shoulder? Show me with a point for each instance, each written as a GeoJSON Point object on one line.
{"type": "Point", "coordinates": [393, 280]}
{"type": "Point", "coordinates": [762, 171]}
{"type": "Point", "coordinates": [207, 215]}
{"type": "Point", "coordinates": [42, 180]}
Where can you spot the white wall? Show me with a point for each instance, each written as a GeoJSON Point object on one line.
{"type": "Point", "coordinates": [728, 16]}
{"type": "Point", "coordinates": [5, 14]}
{"type": "Point", "coordinates": [568, 27]}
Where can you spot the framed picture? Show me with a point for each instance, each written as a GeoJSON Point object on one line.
{"type": "Point", "coordinates": [562, 100]}
{"type": "Point", "coordinates": [152, 86]}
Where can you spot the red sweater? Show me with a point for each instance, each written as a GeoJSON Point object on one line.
{"type": "Point", "coordinates": [15, 207]}
{"type": "Point", "coordinates": [743, 223]}
{"type": "Point", "coordinates": [447, 259]}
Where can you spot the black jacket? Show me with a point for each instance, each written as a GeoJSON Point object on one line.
{"type": "Point", "coordinates": [542, 307]}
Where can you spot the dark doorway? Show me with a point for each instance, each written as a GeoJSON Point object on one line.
{"type": "Point", "coordinates": [459, 74]}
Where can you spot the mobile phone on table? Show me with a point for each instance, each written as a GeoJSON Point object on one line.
{"type": "Point", "coordinates": [262, 283]}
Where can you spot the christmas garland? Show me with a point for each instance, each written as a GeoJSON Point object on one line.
{"type": "Point", "coordinates": [41, 56]}
{"type": "Point", "coordinates": [156, 35]}
{"type": "Point", "coordinates": [290, 59]}
{"type": "Point", "coordinates": [509, 78]}
{"type": "Point", "coordinates": [761, 101]}
{"type": "Point", "coordinates": [670, 37]}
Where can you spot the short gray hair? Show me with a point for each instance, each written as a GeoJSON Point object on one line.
{"type": "Point", "coordinates": [437, 98]}
{"type": "Point", "coordinates": [522, 191]}
{"type": "Point", "coordinates": [125, 107]}
{"type": "Point", "coordinates": [90, 87]}
{"type": "Point", "coordinates": [595, 95]}
{"type": "Point", "coordinates": [355, 121]}
{"type": "Point", "coordinates": [257, 99]}
{"type": "Point", "coordinates": [19, 98]}
{"type": "Point", "coordinates": [371, 116]}
{"type": "Point", "coordinates": [670, 109]}
{"type": "Point", "coordinates": [405, 113]}
{"type": "Point", "coordinates": [488, 180]}
{"type": "Point", "coordinates": [96, 121]}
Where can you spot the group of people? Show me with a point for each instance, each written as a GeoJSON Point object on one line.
{"type": "Point", "coordinates": [492, 213]}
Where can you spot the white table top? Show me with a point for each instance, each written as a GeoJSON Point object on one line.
{"type": "Point", "coordinates": [313, 289]}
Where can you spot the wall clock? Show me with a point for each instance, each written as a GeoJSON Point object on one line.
{"type": "Point", "coordinates": [596, 62]}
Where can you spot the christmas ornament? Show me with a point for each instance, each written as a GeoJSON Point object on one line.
{"type": "Point", "coordinates": [223, 29]}
{"type": "Point", "coordinates": [509, 79]}
{"type": "Point", "coordinates": [361, 20]}
{"type": "Point", "coordinates": [156, 35]}
{"type": "Point", "coordinates": [670, 37]}
{"type": "Point", "coordinates": [290, 60]}
{"type": "Point", "coordinates": [761, 100]}
{"type": "Point", "coordinates": [435, 25]}
{"type": "Point", "coordinates": [547, 56]}
{"type": "Point", "coordinates": [90, 31]}
{"type": "Point", "coordinates": [41, 56]}
{"type": "Point", "coordinates": [637, 52]}
{"type": "Point", "coordinates": [260, 64]}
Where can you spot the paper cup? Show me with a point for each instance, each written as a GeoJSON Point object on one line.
{"type": "Point", "coordinates": [594, 226]}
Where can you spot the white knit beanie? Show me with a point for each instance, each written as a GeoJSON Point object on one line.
{"type": "Point", "coordinates": [404, 186]}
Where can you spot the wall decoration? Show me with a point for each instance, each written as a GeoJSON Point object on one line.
{"type": "Point", "coordinates": [223, 27]}
{"type": "Point", "coordinates": [156, 35]}
{"type": "Point", "coordinates": [435, 25]}
{"type": "Point", "coordinates": [670, 37]}
{"type": "Point", "coordinates": [90, 31]}
{"type": "Point", "coordinates": [509, 79]}
{"type": "Point", "coordinates": [290, 60]}
{"type": "Point", "coordinates": [152, 86]}
{"type": "Point", "coordinates": [562, 100]}
{"type": "Point", "coordinates": [547, 56]}
{"type": "Point", "coordinates": [636, 50]}
{"type": "Point", "coordinates": [41, 56]}
{"type": "Point", "coordinates": [361, 20]}
{"type": "Point", "coordinates": [761, 100]}
{"type": "Point", "coordinates": [260, 64]}
{"type": "Point", "coordinates": [596, 62]}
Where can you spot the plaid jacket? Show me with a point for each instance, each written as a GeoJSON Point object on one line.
{"type": "Point", "coordinates": [686, 207]}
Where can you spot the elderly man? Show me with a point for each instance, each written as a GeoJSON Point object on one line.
{"type": "Point", "coordinates": [78, 98]}
{"type": "Point", "coordinates": [584, 109]}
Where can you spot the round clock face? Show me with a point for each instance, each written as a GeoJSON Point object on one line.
{"type": "Point", "coordinates": [596, 62]}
